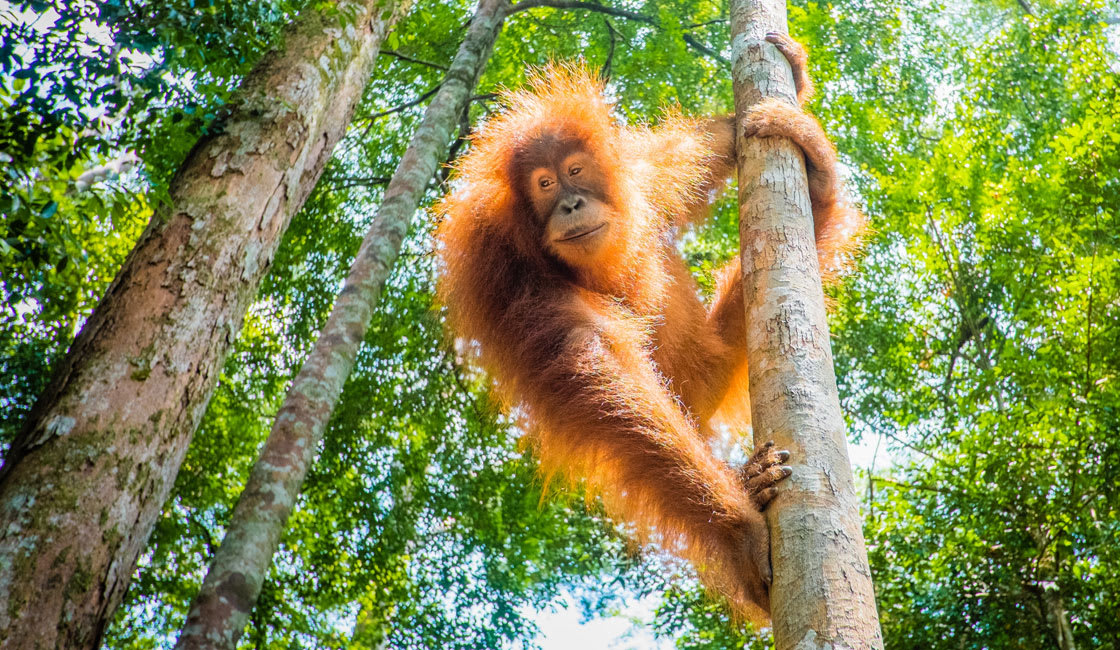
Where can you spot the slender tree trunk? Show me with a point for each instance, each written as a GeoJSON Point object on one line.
{"type": "Point", "coordinates": [822, 595]}
{"type": "Point", "coordinates": [85, 480]}
{"type": "Point", "coordinates": [222, 608]}
{"type": "Point", "coordinates": [1045, 586]}
{"type": "Point", "coordinates": [1058, 618]}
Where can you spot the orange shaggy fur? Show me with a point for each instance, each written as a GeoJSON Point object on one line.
{"type": "Point", "coordinates": [619, 368]}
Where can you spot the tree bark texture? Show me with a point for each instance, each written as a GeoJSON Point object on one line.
{"type": "Point", "coordinates": [822, 596]}
{"type": "Point", "coordinates": [86, 478]}
{"type": "Point", "coordinates": [220, 612]}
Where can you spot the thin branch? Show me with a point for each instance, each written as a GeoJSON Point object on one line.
{"type": "Point", "coordinates": [713, 21]}
{"type": "Point", "coordinates": [468, 395]}
{"type": "Point", "coordinates": [1026, 7]}
{"type": "Point", "coordinates": [605, 71]}
{"type": "Point", "coordinates": [704, 49]}
{"type": "Point", "coordinates": [369, 121]}
{"type": "Point", "coordinates": [525, 5]}
{"type": "Point", "coordinates": [691, 41]}
{"type": "Point", "coordinates": [406, 105]}
{"type": "Point", "coordinates": [912, 486]}
{"type": "Point", "coordinates": [870, 477]}
{"type": "Point", "coordinates": [950, 257]}
{"type": "Point", "coordinates": [951, 490]}
{"type": "Point", "coordinates": [952, 469]}
{"type": "Point", "coordinates": [456, 146]}
{"type": "Point", "coordinates": [965, 303]}
{"type": "Point", "coordinates": [207, 536]}
{"type": "Point", "coordinates": [967, 333]}
{"type": "Point", "coordinates": [348, 182]}
{"type": "Point", "coordinates": [412, 59]}
{"type": "Point", "coordinates": [1089, 312]}
{"type": "Point", "coordinates": [486, 102]}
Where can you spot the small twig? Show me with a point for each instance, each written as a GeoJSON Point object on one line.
{"type": "Point", "coordinates": [952, 469]}
{"type": "Point", "coordinates": [963, 300]}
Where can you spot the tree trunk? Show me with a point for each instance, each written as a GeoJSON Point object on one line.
{"type": "Point", "coordinates": [1044, 585]}
{"type": "Point", "coordinates": [822, 596]}
{"type": "Point", "coordinates": [1058, 618]}
{"type": "Point", "coordinates": [233, 583]}
{"type": "Point", "coordinates": [86, 478]}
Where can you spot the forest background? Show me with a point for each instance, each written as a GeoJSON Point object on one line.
{"type": "Point", "coordinates": [977, 345]}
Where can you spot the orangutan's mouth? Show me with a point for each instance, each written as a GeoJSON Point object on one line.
{"type": "Point", "coordinates": [583, 233]}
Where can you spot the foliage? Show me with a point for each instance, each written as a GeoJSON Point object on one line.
{"type": "Point", "coordinates": [54, 265]}
{"type": "Point", "coordinates": [690, 617]}
{"type": "Point", "coordinates": [982, 141]}
{"type": "Point", "coordinates": [995, 376]}
{"type": "Point", "coordinates": [85, 87]}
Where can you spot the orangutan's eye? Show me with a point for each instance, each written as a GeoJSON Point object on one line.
{"type": "Point", "coordinates": [574, 170]}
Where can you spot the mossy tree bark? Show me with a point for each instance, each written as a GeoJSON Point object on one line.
{"type": "Point", "coordinates": [220, 612]}
{"type": "Point", "coordinates": [84, 481]}
{"type": "Point", "coordinates": [822, 596]}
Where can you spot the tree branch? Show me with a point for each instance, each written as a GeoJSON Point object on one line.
{"type": "Point", "coordinates": [690, 40]}
{"type": "Point", "coordinates": [109, 170]}
{"type": "Point", "coordinates": [525, 5]}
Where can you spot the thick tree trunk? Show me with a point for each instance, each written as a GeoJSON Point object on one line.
{"type": "Point", "coordinates": [222, 608]}
{"type": "Point", "coordinates": [822, 595]}
{"type": "Point", "coordinates": [85, 480]}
